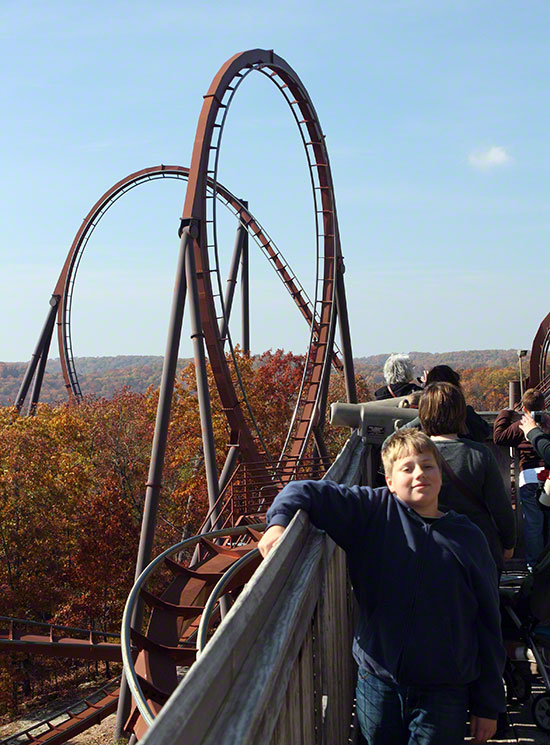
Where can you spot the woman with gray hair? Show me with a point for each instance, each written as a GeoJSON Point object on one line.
{"type": "Point", "coordinates": [398, 373]}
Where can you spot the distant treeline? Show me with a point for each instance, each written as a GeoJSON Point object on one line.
{"type": "Point", "coordinates": [102, 376]}
{"type": "Point", "coordinates": [464, 360]}
{"type": "Point", "coordinates": [98, 376]}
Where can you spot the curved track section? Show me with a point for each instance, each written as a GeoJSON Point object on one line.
{"type": "Point", "coordinates": [200, 212]}
{"type": "Point", "coordinates": [169, 646]}
{"type": "Point", "coordinates": [538, 370]}
{"type": "Point", "coordinates": [66, 283]}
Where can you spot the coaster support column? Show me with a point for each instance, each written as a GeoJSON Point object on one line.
{"type": "Point", "coordinates": [345, 336]}
{"type": "Point", "coordinates": [203, 394]}
{"type": "Point", "coordinates": [245, 294]}
{"type": "Point", "coordinates": [240, 238]}
{"type": "Point", "coordinates": [154, 479]}
{"type": "Point", "coordinates": [40, 353]}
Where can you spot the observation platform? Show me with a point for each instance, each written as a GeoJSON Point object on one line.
{"type": "Point", "coordinates": [279, 668]}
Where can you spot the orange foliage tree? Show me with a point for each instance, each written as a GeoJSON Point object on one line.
{"type": "Point", "coordinates": [486, 388]}
{"type": "Point", "coordinates": [72, 481]}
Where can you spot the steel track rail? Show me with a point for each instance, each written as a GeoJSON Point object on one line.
{"type": "Point", "coordinates": [66, 283]}
{"type": "Point", "coordinates": [129, 669]}
{"type": "Point", "coordinates": [199, 211]}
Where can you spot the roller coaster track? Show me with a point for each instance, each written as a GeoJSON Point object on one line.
{"type": "Point", "coordinates": [200, 214]}
{"type": "Point", "coordinates": [539, 373]}
{"type": "Point", "coordinates": [59, 641]}
{"type": "Point", "coordinates": [203, 194]}
{"type": "Point", "coordinates": [166, 646]}
{"type": "Point", "coordinates": [71, 721]}
{"type": "Point", "coordinates": [65, 285]}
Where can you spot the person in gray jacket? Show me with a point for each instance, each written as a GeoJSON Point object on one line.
{"type": "Point", "coordinates": [472, 483]}
{"type": "Point", "coordinates": [476, 428]}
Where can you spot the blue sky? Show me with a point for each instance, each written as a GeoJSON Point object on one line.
{"type": "Point", "coordinates": [436, 118]}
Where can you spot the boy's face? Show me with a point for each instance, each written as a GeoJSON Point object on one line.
{"type": "Point", "coordinates": [416, 480]}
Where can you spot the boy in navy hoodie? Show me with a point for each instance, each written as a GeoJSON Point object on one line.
{"type": "Point", "coordinates": [427, 642]}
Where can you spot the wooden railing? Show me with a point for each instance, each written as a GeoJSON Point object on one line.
{"type": "Point", "coordinates": [279, 669]}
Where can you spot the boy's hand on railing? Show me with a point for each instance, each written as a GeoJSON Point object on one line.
{"type": "Point", "coordinates": [269, 539]}
{"type": "Point", "coordinates": [482, 729]}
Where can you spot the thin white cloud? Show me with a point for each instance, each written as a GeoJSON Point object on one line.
{"type": "Point", "coordinates": [492, 157]}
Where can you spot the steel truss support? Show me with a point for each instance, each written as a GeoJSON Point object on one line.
{"type": "Point", "coordinates": [39, 359]}
{"type": "Point", "coordinates": [345, 336]}
{"type": "Point", "coordinates": [186, 282]}
{"type": "Point", "coordinates": [245, 294]}
{"type": "Point", "coordinates": [154, 479]}
{"type": "Point", "coordinates": [203, 394]}
{"type": "Point", "coordinates": [240, 239]}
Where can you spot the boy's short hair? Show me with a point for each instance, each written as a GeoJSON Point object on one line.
{"type": "Point", "coordinates": [533, 400]}
{"type": "Point", "coordinates": [442, 410]}
{"type": "Point", "coordinates": [406, 442]}
{"type": "Point", "coordinates": [443, 374]}
{"type": "Point", "coordinates": [398, 368]}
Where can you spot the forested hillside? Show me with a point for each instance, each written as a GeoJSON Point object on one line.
{"type": "Point", "coordinates": [102, 376]}
{"type": "Point", "coordinates": [72, 480]}
{"type": "Point", "coordinates": [98, 376]}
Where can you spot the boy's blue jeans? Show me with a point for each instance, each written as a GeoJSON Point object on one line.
{"type": "Point", "coordinates": [410, 715]}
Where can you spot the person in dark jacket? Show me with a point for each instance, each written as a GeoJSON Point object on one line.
{"type": "Point", "coordinates": [398, 374]}
{"type": "Point", "coordinates": [472, 483]}
{"type": "Point", "coordinates": [427, 640]}
{"type": "Point", "coordinates": [540, 441]}
{"type": "Point", "coordinates": [507, 431]}
{"type": "Point", "coordinates": [475, 428]}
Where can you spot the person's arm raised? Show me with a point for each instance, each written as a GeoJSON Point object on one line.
{"type": "Point", "coordinates": [341, 511]}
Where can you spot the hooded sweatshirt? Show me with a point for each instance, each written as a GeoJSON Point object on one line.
{"type": "Point", "coordinates": [426, 590]}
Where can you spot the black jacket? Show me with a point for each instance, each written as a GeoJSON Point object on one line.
{"type": "Point", "coordinates": [427, 592]}
{"type": "Point", "coordinates": [541, 442]}
{"type": "Point", "coordinates": [397, 390]}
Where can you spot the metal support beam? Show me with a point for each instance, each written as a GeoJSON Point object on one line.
{"type": "Point", "coordinates": [241, 236]}
{"type": "Point", "coordinates": [345, 337]}
{"type": "Point", "coordinates": [154, 479]}
{"type": "Point", "coordinates": [203, 394]}
{"type": "Point", "coordinates": [227, 471]}
{"type": "Point", "coordinates": [514, 393]}
{"type": "Point", "coordinates": [322, 395]}
{"type": "Point", "coordinates": [321, 448]}
{"type": "Point", "coordinates": [41, 350]}
{"type": "Point", "coordinates": [245, 294]}
{"type": "Point", "coordinates": [38, 378]}
{"type": "Point", "coordinates": [228, 467]}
